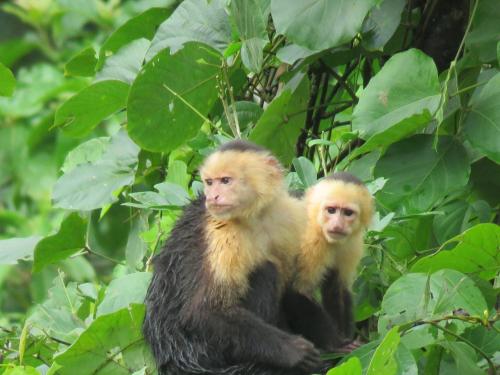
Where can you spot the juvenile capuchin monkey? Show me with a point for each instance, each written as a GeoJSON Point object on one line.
{"type": "Point", "coordinates": [214, 300]}
{"type": "Point", "coordinates": [339, 210]}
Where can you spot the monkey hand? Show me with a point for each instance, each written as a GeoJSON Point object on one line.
{"type": "Point", "coordinates": [302, 355]}
{"type": "Point", "coordinates": [348, 346]}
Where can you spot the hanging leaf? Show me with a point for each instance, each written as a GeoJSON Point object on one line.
{"type": "Point", "coordinates": [319, 24]}
{"type": "Point", "coordinates": [171, 96]}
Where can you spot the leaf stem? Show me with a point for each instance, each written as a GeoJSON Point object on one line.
{"type": "Point", "coordinates": [189, 105]}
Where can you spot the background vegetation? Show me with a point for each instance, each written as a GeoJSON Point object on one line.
{"type": "Point", "coordinates": [109, 107]}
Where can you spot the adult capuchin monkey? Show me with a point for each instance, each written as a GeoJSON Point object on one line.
{"type": "Point", "coordinates": [339, 210]}
{"type": "Point", "coordinates": [213, 301]}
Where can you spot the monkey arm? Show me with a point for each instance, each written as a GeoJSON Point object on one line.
{"type": "Point", "coordinates": [263, 296]}
{"type": "Point", "coordinates": [337, 301]}
{"type": "Point", "coordinates": [309, 319]}
{"type": "Point", "coordinates": [245, 337]}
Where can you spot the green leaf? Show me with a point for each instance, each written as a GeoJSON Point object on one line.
{"type": "Point", "coordinates": [169, 196]}
{"type": "Point", "coordinates": [87, 152]}
{"type": "Point", "coordinates": [383, 361]}
{"type": "Point", "coordinates": [351, 367]}
{"type": "Point", "coordinates": [406, 364]}
{"type": "Point", "coordinates": [125, 63]}
{"type": "Point", "coordinates": [82, 64]}
{"type": "Point", "coordinates": [418, 176]}
{"type": "Point", "coordinates": [14, 249]}
{"type": "Point", "coordinates": [452, 221]}
{"type": "Point", "coordinates": [306, 171]}
{"type": "Point", "coordinates": [477, 251]}
{"type": "Point", "coordinates": [415, 296]}
{"type": "Point", "coordinates": [84, 111]}
{"type": "Point", "coordinates": [99, 347]}
{"type": "Point", "coordinates": [248, 114]}
{"type": "Point", "coordinates": [483, 38]}
{"type": "Point", "coordinates": [381, 23]}
{"type": "Point", "coordinates": [293, 52]}
{"type": "Point", "coordinates": [319, 24]}
{"type": "Point", "coordinates": [465, 358]}
{"type": "Point", "coordinates": [136, 247]}
{"type": "Point", "coordinates": [281, 123]}
{"type": "Point", "coordinates": [200, 21]}
{"type": "Point", "coordinates": [21, 370]}
{"type": "Point", "coordinates": [124, 291]}
{"type": "Point", "coordinates": [390, 109]}
{"type": "Point", "coordinates": [7, 81]}
{"type": "Point", "coordinates": [67, 241]}
{"type": "Point", "coordinates": [171, 96]}
{"type": "Point", "coordinates": [142, 26]}
{"type": "Point", "coordinates": [482, 125]}
{"type": "Point", "coordinates": [91, 186]}
{"type": "Point", "coordinates": [251, 22]}
{"type": "Point", "coordinates": [58, 316]}
{"type": "Point", "coordinates": [178, 174]}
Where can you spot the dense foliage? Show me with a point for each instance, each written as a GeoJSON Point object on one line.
{"type": "Point", "coordinates": [109, 107]}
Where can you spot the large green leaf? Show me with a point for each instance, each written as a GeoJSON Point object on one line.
{"type": "Point", "coordinates": [390, 109]}
{"type": "Point", "coordinates": [67, 241]}
{"type": "Point", "coordinates": [383, 361]}
{"type": "Point", "coordinates": [7, 81]}
{"type": "Point", "coordinates": [142, 26]}
{"type": "Point", "coordinates": [84, 111]}
{"type": "Point", "coordinates": [90, 186]}
{"type": "Point", "coordinates": [319, 24]}
{"type": "Point", "coordinates": [483, 38]}
{"type": "Point", "coordinates": [418, 176]}
{"type": "Point", "coordinates": [482, 125]}
{"type": "Point", "coordinates": [381, 23]}
{"type": "Point", "coordinates": [171, 96]}
{"type": "Point", "coordinates": [280, 125]}
{"type": "Point", "coordinates": [14, 249]}
{"type": "Point", "coordinates": [103, 346]}
{"type": "Point", "coordinates": [417, 296]}
{"type": "Point", "coordinates": [200, 21]}
{"type": "Point", "coordinates": [251, 21]}
{"type": "Point", "coordinates": [477, 252]}
{"type": "Point", "coordinates": [124, 291]}
{"type": "Point", "coordinates": [125, 63]}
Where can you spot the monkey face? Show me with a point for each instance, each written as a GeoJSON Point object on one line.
{"type": "Point", "coordinates": [339, 220]}
{"type": "Point", "coordinates": [226, 195]}
{"type": "Point", "coordinates": [240, 184]}
{"type": "Point", "coordinates": [340, 209]}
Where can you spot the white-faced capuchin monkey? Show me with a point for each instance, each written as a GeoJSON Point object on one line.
{"type": "Point", "coordinates": [339, 210]}
{"type": "Point", "coordinates": [213, 303]}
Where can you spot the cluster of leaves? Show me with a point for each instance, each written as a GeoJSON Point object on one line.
{"type": "Point", "coordinates": [114, 104]}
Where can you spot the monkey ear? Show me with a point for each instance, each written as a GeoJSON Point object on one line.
{"type": "Point", "coordinates": [272, 161]}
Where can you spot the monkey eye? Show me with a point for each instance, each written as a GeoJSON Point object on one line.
{"type": "Point", "coordinates": [225, 180]}
{"type": "Point", "coordinates": [348, 212]}
{"type": "Point", "coordinates": [331, 210]}
{"type": "Point", "coordinates": [208, 181]}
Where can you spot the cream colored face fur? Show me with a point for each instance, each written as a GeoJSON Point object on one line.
{"type": "Point", "coordinates": [341, 209]}
{"type": "Point", "coordinates": [239, 184]}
